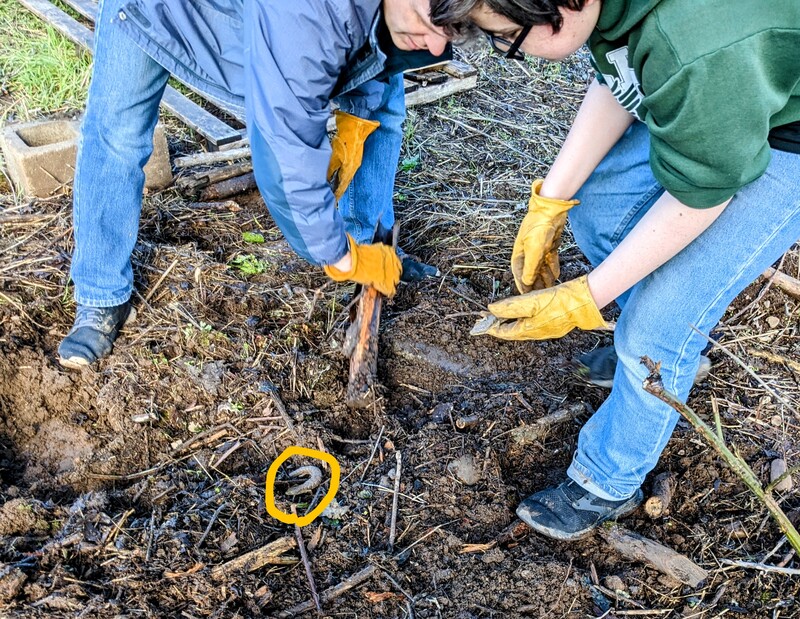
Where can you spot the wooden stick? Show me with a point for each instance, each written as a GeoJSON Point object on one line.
{"type": "Point", "coordinates": [762, 567]}
{"type": "Point", "coordinates": [533, 432]}
{"type": "Point", "coordinates": [195, 182]}
{"type": "Point", "coordinates": [332, 593]}
{"type": "Point", "coordinates": [215, 157]}
{"type": "Point", "coordinates": [231, 187]}
{"type": "Point", "coordinates": [652, 384]}
{"type": "Point", "coordinates": [395, 499]}
{"type": "Point", "coordinates": [364, 358]}
{"type": "Point", "coordinates": [785, 282]}
{"type": "Point", "coordinates": [663, 487]}
{"type": "Point", "coordinates": [298, 533]}
{"type": "Point", "coordinates": [251, 561]}
{"type": "Point", "coordinates": [665, 560]}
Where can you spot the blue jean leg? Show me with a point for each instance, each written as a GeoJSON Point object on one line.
{"type": "Point", "coordinates": [623, 440]}
{"type": "Point", "coordinates": [116, 142]}
{"type": "Point", "coordinates": [369, 198]}
{"type": "Point", "coordinates": [615, 197]}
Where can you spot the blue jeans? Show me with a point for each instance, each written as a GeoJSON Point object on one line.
{"type": "Point", "coordinates": [116, 142]}
{"type": "Point", "coordinates": [623, 440]}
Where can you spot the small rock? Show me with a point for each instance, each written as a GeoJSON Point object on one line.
{"type": "Point", "coordinates": [778, 468]}
{"type": "Point", "coordinates": [773, 321]}
{"type": "Point", "coordinates": [441, 412]}
{"type": "Point", "coordinates": [776, 421]}
{"type": "Point", "coordinates": [615, 583]}
{"type": "Point", "coordinates": [334, 511]}
{"type": "Point", "coordinates": [465, 469]}
{"type": "Point", "coordinates": [495, 555]}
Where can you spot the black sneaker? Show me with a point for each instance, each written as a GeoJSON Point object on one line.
{"type": "Point", "coordinates": [598, 366]}
{"type": "Point", "coordinates": [414, 270]}
{"type": "Point", "coordinates": [569, 512]}
{"type": "Point", "coordinates": [93, 333]}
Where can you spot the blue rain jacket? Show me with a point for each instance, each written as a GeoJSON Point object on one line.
{"type": "Point", "coordinates": [283, 61]}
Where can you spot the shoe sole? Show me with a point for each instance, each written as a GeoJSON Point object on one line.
{"type": "Point", "coordinates": [78, 363]}
{"type": "Point", "coordinates": [623, 510]}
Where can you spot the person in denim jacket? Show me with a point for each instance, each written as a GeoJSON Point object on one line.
{"type": "Point", "coordinates": [282, 65]}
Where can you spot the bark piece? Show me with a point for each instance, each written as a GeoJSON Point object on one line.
{"type": "Point", "coordinates": [638, 548]}
{"type": "Point", "coordinates": [251, 561]}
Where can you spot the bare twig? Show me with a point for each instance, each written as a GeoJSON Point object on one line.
{"type": "Point", "coordinates": [210, 524]}
{"type": "Point", "coordinates": [395, 499]}
{"type": "Point", "coordinates": [298, 533]}
{"type": "Point", "coordinates": [652, 384]}
{"type": "Point", "coordinates": [762, 567]}
{"type": "Point", "coordinates": [332, 593]}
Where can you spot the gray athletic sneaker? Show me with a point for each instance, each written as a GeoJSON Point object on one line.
{"type": "Point", "coordinates": [93, 333]}
{"type": "Point", "coordinates": [598, 367]}
{"type": "Point", "coordinates": [569, 512]}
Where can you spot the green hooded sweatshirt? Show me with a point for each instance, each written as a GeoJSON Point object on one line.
{"type": "Point", "coordinates": [715, 80]}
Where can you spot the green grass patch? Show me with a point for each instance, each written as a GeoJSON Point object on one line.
{"type": "Point", "coordinates": [41, 72]}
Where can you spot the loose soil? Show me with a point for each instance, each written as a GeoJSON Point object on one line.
{"type": "Point", "coordinates": [122, 487]}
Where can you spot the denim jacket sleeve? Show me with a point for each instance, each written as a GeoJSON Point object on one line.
{"type": "Point", "coordinates": [288, 81]}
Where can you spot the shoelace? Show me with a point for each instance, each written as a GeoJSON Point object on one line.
{"type": "Point", "coordinates": [95, 317]}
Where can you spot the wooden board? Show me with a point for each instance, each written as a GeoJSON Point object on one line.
{"type": "Point", "coordinates": [205, 123]}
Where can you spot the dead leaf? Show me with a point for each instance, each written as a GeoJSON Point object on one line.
{"type": "Point", "coordinates": [376, 597]}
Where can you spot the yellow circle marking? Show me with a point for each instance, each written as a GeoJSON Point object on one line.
{"type": "Point", "coordinates": [273, 510]}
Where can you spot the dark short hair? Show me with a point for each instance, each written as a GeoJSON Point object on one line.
{"type": "Point", "coordinates": [453, 15]}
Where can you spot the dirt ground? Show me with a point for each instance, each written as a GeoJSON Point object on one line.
{"type": "Point", "coordinates": [123, 488]}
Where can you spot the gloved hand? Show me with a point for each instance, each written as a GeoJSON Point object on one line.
{"type": "Point", "coordinates": [534, 259]}
{"type": "Point", "coordinates": [347, 149]}
{"type": "Point", "coordinates": [375, 265]}
{"type": "Point", "coordinates": [545, 314]}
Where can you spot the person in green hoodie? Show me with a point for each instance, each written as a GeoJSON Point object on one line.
{"type": "Point", "coordinates": [681, 179]}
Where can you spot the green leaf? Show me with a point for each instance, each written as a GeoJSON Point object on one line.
{"type": "Point", "coordinates": [252, 237]}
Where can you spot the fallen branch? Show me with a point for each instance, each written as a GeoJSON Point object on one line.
{"type": "Point", "coordinates": [251, 561]}
{"type": "Point", "coordinates": [652, 384]}
{"type": "Point", "coordinates": [665, 560]}
{"type": "Point", "coordinates": [787, 283]}
{"type": "Point", "coordinates": [663, 487]}
{"type": "Point", "coordinates": [193, 183]}
{"type": "Point", "coordinates": [231, 187]}
{"type": "Point", "coordinates": [332, 593]}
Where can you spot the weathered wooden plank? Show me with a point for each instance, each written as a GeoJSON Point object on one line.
{"type": "Point", "coordinates": [86, 8]}
{"type": "Point", "coordinates": [206, 124]}
{"type": "Point", "coordinates": [434, 92]}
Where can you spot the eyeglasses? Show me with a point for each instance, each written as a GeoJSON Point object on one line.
{"type": "Point", "coordinates": [507, 48]}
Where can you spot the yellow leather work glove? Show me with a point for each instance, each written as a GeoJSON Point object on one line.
{"type": "Point", "coordinates": [347, 149]}
{"type": "Point", "coordinates": [375, 265]}
{"type": "Point", "coordinates": [534, 259]}
{"type": "Point", "coordinates": [545, 314]}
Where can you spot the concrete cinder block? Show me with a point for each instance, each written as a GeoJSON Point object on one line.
{"type": "Point", "coordinates": [40, 157]}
